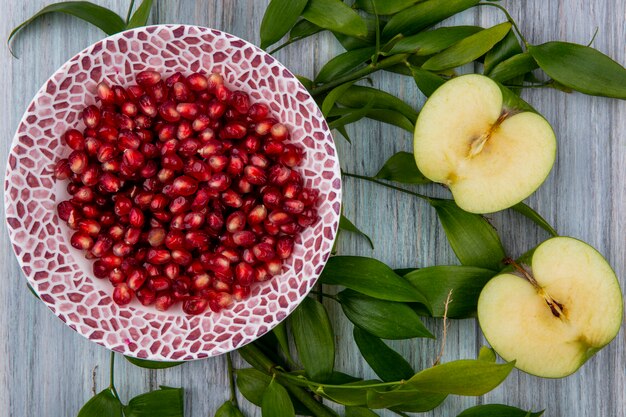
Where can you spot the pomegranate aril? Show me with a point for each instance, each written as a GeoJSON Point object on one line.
{"type": "Point", "coordinates": [136, 278]}
{"type": "Point", "coordinates": [143, 122]}
{"type": "Point", "coordinates": [110, 260]}
{"type": "Point", "coordinates": [122, 205]}
{"type": "Point", "coordinates": [180, 92]}
{"type": "Point", "coordinates": [181, 256]}
{"type": "Point", "coordinates": [197, 82]}
{"type": "Point", "coordinates": [135, 92]}
{"type": "Point", "coordinates": [263, 252]}
{"type": "Point", "coordinates": [244, 274]}
{"type": "Point", "coordinates": [279, 132]}
{"type": "Point", "coordinates": [293, 206]}
{"type": "Point", "coordinates": [184, 130]}
{"type": "Point", "coordinates": [201, 123]}
{"type": "Point", "coordinates": [90, 227]}
{"type": "Point", "coordinates": [219, 300]}
{"type": "Point", "coordinates": [262, 273]}
{"type": "Point", "coordinates": [181, 287]}
{"type": "Point", "coordinates": [201, 281]}
{"type": "Point", "coordinates": [173, 79]}
{"type": "Point", "coordinates": [292, 155]}
{"type": "Point", "coordinates": [122, 294]}
{"type": "Point", "coordinates": [124, 122]}
{"type": "Point", "coordinates": [255, 175]}
{"type": "Point", "coordinates": [107, 133]}
{"type": "Point", "coordinates": [148, 78]}
{"type": "Point", "coordinates": [149, 170]}
{"type": "Point", "coordinates": [195, 305]}
{"type": "Point", "coordinates": [240, 292]}
{"type": "Point", "coordinates": [279, 217]}
{"type": "Point", "coordinates": [105, 93]}
{"type": "Point", "coordinates": [244, 238]}
{"type": "Point", "coordinates": [117, 276]}
{"type": "Point", "coordinates": [188, 110]}
{"type": "Point", "coordinates": [158, 256]}
{"type": "Point", "coordinates": [133, 159]}
{"type": "Point", "coordinates": [219, 182]}
{"type": "Point", "coordinates": [274, 266]}
{"type": "Point", "coordinates": [168, 111]}
{"type": "Point", "coordinates": [156, 236]}
{"type": "Point", "coordinates": [81, 240]}
{"type": "Point", "coordinates": [74, 139]}
{"type": "Point", "coordinates": [240, 101]}
{"type": "Point", "coordinates": [158, 92]}
{"type": "Point", "coordinates": [259, 161]}
{"type": "Point", "coordinates": [184, 186]}
{"type": "Point", "coordinates": [62, 170]}
{"type": "Point", "coordinates": [196, 239]}
{"type": "Point", "coordinates": [147, 106]}
{"type": "Point", "coordinates": [146, 296]}
{"type": "Point", "coordinates": [193, 220]}
{"type": "Point", "coordinates": [102, 245]}
{"type": "Point", "coordinates": [136, 218]}
{"type": "Point", "coordinates": [129, 109]}
{"type": "Point", "coordinates": [236, 222]}
{"type": "Point", "coordinates": [258, 112]}
{"type": "Point", "coordinates": [122, 249]}
{"type": "Point", "coordinates": [216, 109]}
{"type": "Point", "coordinates": [132, 236]}
{"type": "Point", "coordinates": [77, 162]}
{"type": "Point", "coordinates": [120, 94]}
{"type": "Point", "coordinates": [231, 199]}
{"type": "Point", "coordinates": [116, 232]}
{"type": "Point", "coordinates": [264, 127]}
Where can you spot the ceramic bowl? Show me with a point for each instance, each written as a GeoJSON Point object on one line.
{"type": "Point", "coordinates": [62, 277]}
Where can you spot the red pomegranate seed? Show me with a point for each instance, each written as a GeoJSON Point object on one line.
{"type": "Point", "coordinates": [279, 174]}
{"type": "Point", "coordinates": [92, 145]}
{"type": "Point", "coordinates": [122, 294]}
{"type": "Point", "coordinates": [233, 130]}
{"type": "Point", "coordinates": [171, 270]}
{"type": "Point", "coordinates": [195, 305]}
{"type": "Point", "coordinates": [273, 147]}
{"type": "Point", "coordinates": [147, 78]}
{"type": "Point", "coordinates": [90, 227]}
{"type": "Point", "coordinates": [128, 140]}
{"type": "Point", "coordinates": [122, 205]}
{"type": "Point", "coordinates": [279, 217]}
{"type": "Point", "coordinates": [133, 159]}
{"type": "Point", "coordinates": [181, 256]}
{"type": "Point", "coordinates": [62, 170]}
{"type": "Point", "coordinates": [143, 122]}
{"type": "Point", "coordinates": [219, 182]}
{"type": "Point", "coordinates": [263, 252]}
{"type": "Point", "coordinates": [216, 109]}
{"type": "Point", "coordinates": [116, 232]}
{"type": "Point", "coordinates": [255, 175]}
{"type": "Point", "coordinates": [111, 261]}
{"type": "Point", "coordinates": [201, 123]}
{"type": "Point", "coordinates": [220, 300]}
{"type": "Point", "coordinates": [181, 287]}
{"type": "Point", "coordinates": [146, 296]}
{"type": "Point", "coordinates": [188, 110]}
{"type": "Point", "coordinates": [293, 206]}
{"type": "Point", "coordinates": [193, 220]}
{"type": "Point", "coordinates": [129, 109]}
{"type": "Point", "coordinates": [163, 301]}
{"type": "Point", "coordinates": [244, 274]}
{"type": "Point", "coordinates": [132, 236]}
{"type": "Point", "coordinates": [105, 93]}
{"type": "Point", "coordinates": [274, 266]}
{"type": "Point", "coordinates": [81, 240]}
{"type": "Point", "coordinates": [259, 161]}
{"type": "Point", "coordinates": [107, 133]}
{"type": "Point", "coordinates": [284, 247]}
{"type": "Point", "coordinates": [188, 147]}
{"type": "Point", "coordinates": [185, 186]}
{"type": "Point", "coordinates": [84, 195]}
{"type": "Point", "coordinates": [147, 106]}
{"type": "Point", "coordinates": [109, 183]}
{"type": "Point", "coordinates": [279, 132]}
{"type": "Point", "coordinates": [156, 236]}
{"type": "Point", "coordinates": [262, 273]}
{"type": "Point", "coordinates": [201, 281]}
{"type": "Point", "coordinates": [168, 111]}
{"type": "Point", "coordinates": [136, 278]}
{"type": "Point", "coordinates": [292, 155]}
{"type": "Point", "coordinates": [77, 162]}
{"type": "Point", "coordinates": [271, 228]}
{"type": "Point", "coordinates": [117, 276]}
{"type": "Point", "coordinates": [159, 283]}
{"type": "Point", "coordinates": [240, 101]}
{"type": "Point", "coordinates": [149, 170]}
{"type": "Point", "coordinates": [197, 82]}
{"type": "Point", "coordinates": [252, 144]}
{"type": "Point", "coordinates": [290, 228]}
{"type": "Point", "coordinates": [236, 222]}
{"type": "Point", "coordinates": [196, 239]}
{"type": "Point", "coordinates": [184, 130]}
{"type": "Point", "coordinates": [158, 256]}
{"type": "Point", "coordinates": [264, 127]}
{"type": "Point", "coordinates": [158, 92]}
{"type": "Point", "coordinates": [167, 132]}
{"type": "Point", "coordinates": [244, 238]}
{"type": "Point", "coordinates": [173, 79]}
{"type": "Point", "coordinates": [124, 122]}
{"type": "Point", "coordinates": [231, 199]}
{"type": "Point", "coordinates": [291, 190]}
{"type": "Point", "coordinates": [136, 217]}
{"type": "Point", "coordinates": [258, 112]}
{"type": "Point", "coordinates": [240, 292]}
{"type": "Point", "coordinates": [120, 94]}
{"type": "Point", "coordinates": [180, 91]}
{"type": "Point", "coordinates": [134, 92]}
{"type": "Point", "coordinates": [102, 245]}
{"type": "Point", "coordinates": [122, 249]}
{"type": "Point", "coordinates": [74, 139]}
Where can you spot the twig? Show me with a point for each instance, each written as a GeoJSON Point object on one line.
{"type": "Point", "coordinates": [231, 380]}
{"type": "Point", "coordinates": [384, 184]}
{"type": "Point", "coordinates": [445, 328]}
{"type": "Point", "coordinates": [112, 376]}
{"type": "Point", "coordinates": [93, 380]}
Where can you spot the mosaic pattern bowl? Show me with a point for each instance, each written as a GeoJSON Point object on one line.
{"type": "Point", "coordinates": [61, 276]}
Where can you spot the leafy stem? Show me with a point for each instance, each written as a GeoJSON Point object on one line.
{"type": "Point", "coordinates": [363, 72]}
{"type": "Point", "coordinates": [130, 11]}
{"type": "Point", "coordinates": [231, 379]}
{"type": "Point", "coordinates": [112, 376]}
{"type": "Point", "coordinates": [281, 46]}
{"type": "Point", "coordinates": [384, 184]}
{"type": "Point", "coordinates": [509, 18]}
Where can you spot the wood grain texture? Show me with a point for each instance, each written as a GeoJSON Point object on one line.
{"type": "Point", "coordinates": [46, 369]}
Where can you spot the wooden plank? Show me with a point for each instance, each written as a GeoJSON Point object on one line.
{"type": "Point", "coordinates": [47, 368]}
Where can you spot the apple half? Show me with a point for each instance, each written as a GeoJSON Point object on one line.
{"type": "Point", "coordinates": [554, 314]}
{"type": "Point", "coordinates": [487, 145]}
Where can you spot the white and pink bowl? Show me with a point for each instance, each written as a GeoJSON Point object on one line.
{"type": "Point", "coordinates": [62, 276]}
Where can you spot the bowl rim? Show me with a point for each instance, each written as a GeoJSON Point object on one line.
{"type": "Point", "coordinates": [63, 69]}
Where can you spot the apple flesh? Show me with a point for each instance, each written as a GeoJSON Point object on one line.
{"type": "Point", "coordinates": [486, 148]}
{"type": "Point", "coordinates": [553, 315]}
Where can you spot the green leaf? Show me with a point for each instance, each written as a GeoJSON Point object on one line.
{"type": "Point", "coordinates": [384, 7]}
{"type": "Point", "coordinates": [370, 277]}
{"type": "Point", "coordinates": [279, 17]}
{"type": "Point", "coordinates": [252, 384]}
{"type": "Point", "coordinates": [465, 282]}
{"type": "Point", "coordinates": [515, 66]}
{"type": "Point", "coordinates": [98, 16]}
{"type": "Point", "coordinates": [141, 15]}
{"type": "Point", "coordinates": [503, 50]}
{"type": "Point", "coordinates": [424, 14]}
{"type": "Point", "coordinates": [384, 319]}
{"type": "Point", "coordinates": [104, 404]}
{"type": "Point", "coordinates": [409, 400]}
{"type": "Point", "coordinates": [356, 95]}
{"type": "Point", "coordinates": [350, 42]}
{"type": "Point", "coordinates": [348, 116]}
{"type": "Point", "coordinates": [581, 68]}
{"type": "Point", "coordinates": [314, 338]}
{"type": "Point", "coordinates": [401, 167]}
{"type": "Point", "coordinates": [332, 97]}
{"type": "Point", "coordinates": [166, 402]}
{"type": "Point", "coordinates": [359, 412]}
{"type": "Point", "coordinates": [462, 377]}
{"type": "Point", "coordinates": [304, 29]}
{"type": "Point", "coordinates": [344, 133]}
{"type": "Point", "coordinates": [426, 81]}
{"type": "Point", "coordinates": [487, 354]}
{"type": "Point", "coordinates": [391, 117]}
{"type": "Point", "coordinates": [388, 364]}
{"type": "Point", "coordinates": [276, 402]}
{"type": "Point", "coordinates": [228, 409]}
{"type": "Point", "coordinates": [433, 41]}
{"type": "Point", "coordinates": [335, 15]}
{"type": "Point", "coordinates": [339, 378]}
{"type": "Point", "coordinates": [473, 240]}
{"type": "Point", "coordinates": [143, 363]}
{"type": "Point", "coordinates": [280, 332]}
{"type": "Point", "coordinates": [343, 63]}
{"type": "Point", "coordinates": [497, 410]}
{"type": "Point", "coordinates": [308, 84]}
{"type": "Point", "coordinates": [468, 49]}
{"type": "Point", "coordinates": [528, 212]}
{"type": "Point", "coordinates": [347, 225]}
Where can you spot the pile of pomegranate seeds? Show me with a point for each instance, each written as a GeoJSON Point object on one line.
{"type": "Point", "coordinates": [182, 190]}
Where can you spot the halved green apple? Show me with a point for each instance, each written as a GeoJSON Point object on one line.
{"type": "Point", "coordinates": [554, 314]}
{"type": "Point", "coordinates": [483, 143]}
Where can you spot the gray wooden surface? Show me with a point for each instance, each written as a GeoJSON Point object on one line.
{"type": "Point", "coordinates": [46, 368]}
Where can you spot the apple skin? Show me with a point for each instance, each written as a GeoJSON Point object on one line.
{"type": "Point", "coordinates": [516, 146]}
{"type": "Point", "coordinates": [518, 323]}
